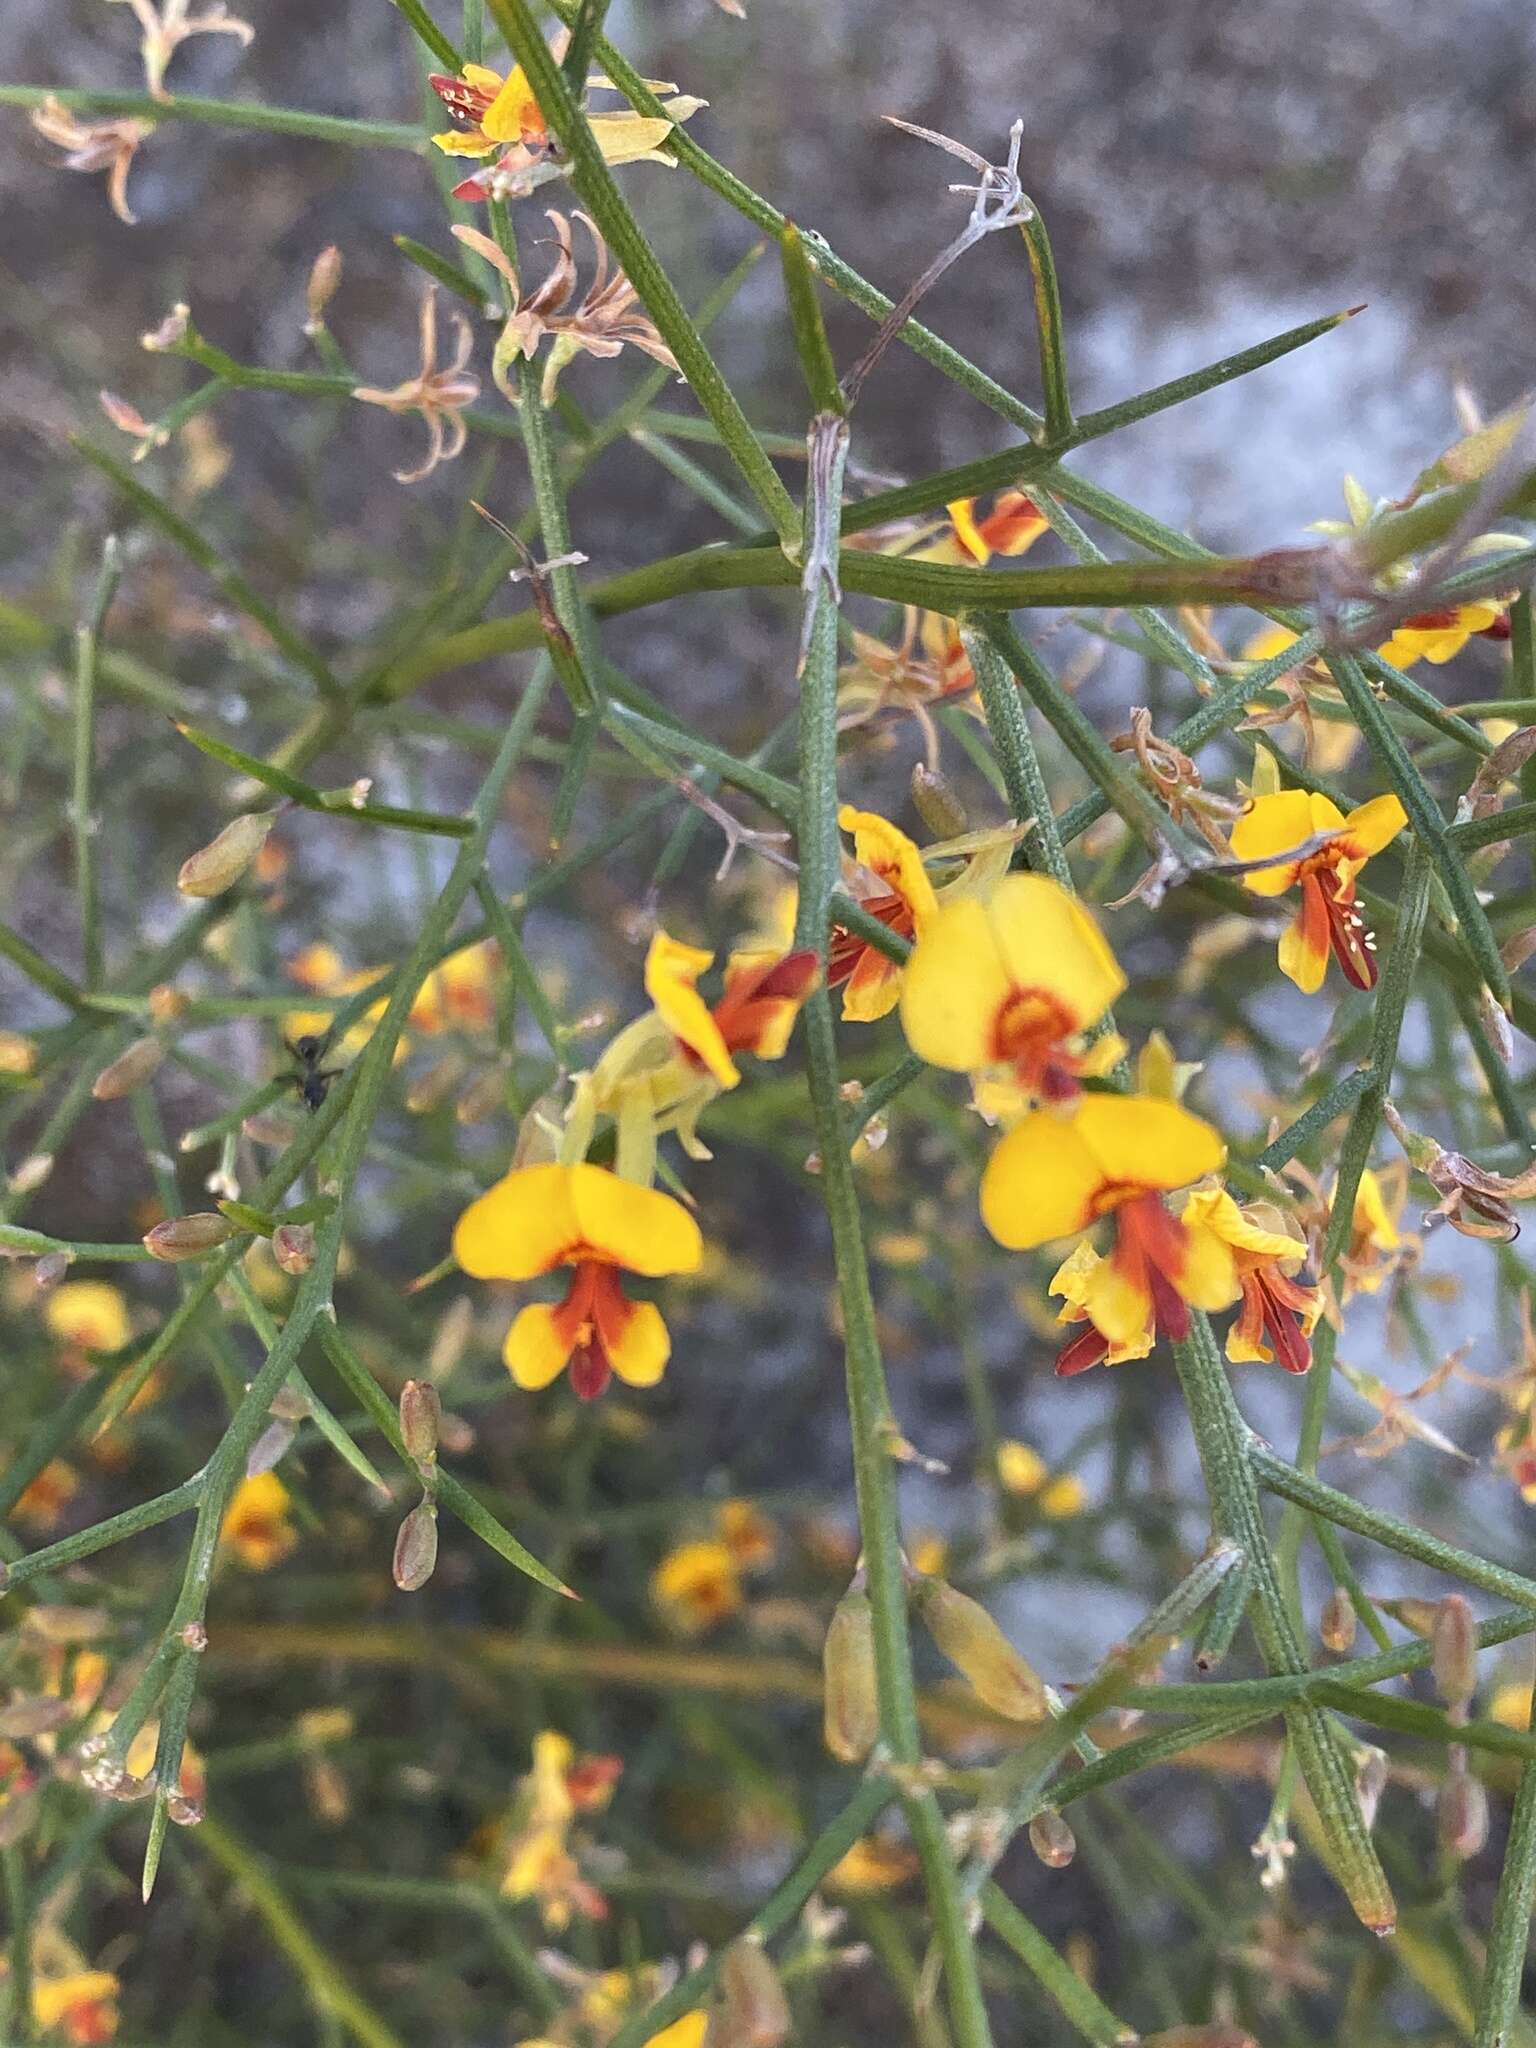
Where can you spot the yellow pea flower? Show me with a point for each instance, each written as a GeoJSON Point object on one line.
{"type": "Point", "coordinates": [539, 1217]}
{"type": "Point", "coordinates": [80, 2008]}
{"type": "Point", "coordinates": [892, 884]}
{"type": "Point", "coordinates": [697, 1586]}
{"type": "Point", "coordinates": [1278, 1315]}
{"type": "Point", "coordinates": [256, 1523]}
{"type": "Point", "coordinates": [91, 1314]}
{"type": "Point", "coordinates": [1054, 1175]}
{"type": "Point", "coordinates": [1327, 920]}
{"type": "Point", "coordinates": [1012, 980]}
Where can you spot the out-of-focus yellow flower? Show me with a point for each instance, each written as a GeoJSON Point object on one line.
{"type": "Point", "coordinates": [538, 1862]}
{"type": "Point", "coordinates": [1510, 1704]}
{"type": "Point", "coordinates": [1278, 1315]}
{"type": "Point", "coordinates": [89, 1313]}
{"type": "Point", "coordinates": [1437, 636]}
{"type": "Point", "coordinates": [697, 1586]}
{"type": "Point", "coordinates": [539, 1217]}
{"type": "Point", "coordinates": [928, 1553]}
{"type": "Point", "coordinates": [1022, 1472]}
{"type": "Point", "coordinates": [873, 1865]}
{"type": "Point", "coordinates": [44, 1499]}
{"type": "Point", "coordinates": [1327, 921]}
{"type": "Point", "coordinates": [1374, 1236]}
{"type": "Point", "coordinates": [501, 118]}
{"type": "Point", "coordinates": [321, 968]}
{"type": "Point", "coordinates": [257, 1524]}
{"type": "Point", "coordinates": [1011, 980]}
{"type": "Point", "coordinates": [688, 2032]}
{"type": "Point", "coordinates": [1062, 1497]}
{"type": "Point", "coordinates": [460, 993]}
{"type": "Point", "coordinates": [18, 1055]}
{"type": "Point", "coordinates": [80, 2008]}
{"type": "Point", "coordinates": [747, 1534]}
{"type": "Point", "coordinates": [891, 883]}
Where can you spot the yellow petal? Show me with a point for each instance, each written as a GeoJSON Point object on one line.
{"type": "Point", "coordinates": [631, 138]}
{"type": "Point", "coordinates": [521, 1227]}
{"type": "Point", "coordinates": [638, 1351]}
{"type": "Point", "coordinates": [953, 987]}
{"type": "Point", "coordinates": [873, 989]}
{"type": "Point", "coordinates": [1207, 1277]}
{"type": "Point", "coordinates": [962, 516]}
{"type": "Point", "coordinates": [639, 1228]}
{"type": "Point", "coordinates": [514, 112]}
{"type": "Point", "coordinates": [1214, 1209]}
{"type": "Point", "coordinates": [1371, 1215]}
{"type": "Point", "coordinates": [1303, 954]}
{"type": "Point", "coordinates": [1275, 824]}
{"type": "Point", "coordinates": [1041, 1182]}
{"type": "Point", "coordinates": [1048, 941]}
{"type": "Point", "coordinates": [688, 2032]}
{"type": "Point", "coordinates": [887, 852]}
{"type": "Point", "coordinates": [482, 78]}
{"type": "Point", "coordinates": [671, 970]}
{"type": "Point", "coordinates": [1270, 641]}
{"type": "Point", "coordinates": [454, 142]}
{"type": "Point", "coordinates": [1020, 1468]}
{"type": "Point", "coordinates": [535, 1352]}
{"type": "Point", "coordinates": [88, 1312]}
{"type": "Point", "coordinates": [1118, 1307]}
{"type": "Point", "coordinates": [1373, 826]}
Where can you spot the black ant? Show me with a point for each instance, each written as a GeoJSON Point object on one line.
{"type": "Point", "coordinates": [312, 1080]}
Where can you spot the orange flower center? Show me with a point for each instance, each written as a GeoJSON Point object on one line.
{"type": "Point", "coordinates": [1329, 917]}
{"type": "Point", "coordinates": [1027, 1035]}
{"type": "Point", "coordinates": [1150, 1250]}
{"type": "Point", "coordinates": [1272, 1306]}
{"type": "Point", "coordinates": [746, 1012]}
{"type": "Point", "coordinates": [589, 1320]}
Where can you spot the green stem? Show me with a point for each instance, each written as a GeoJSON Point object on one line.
{"type": "Point", "coordinates": [1048, 322]}
{"type": "Point", "coordinates": [1081, 2005]}
{"type": "Point", "coordinates": [83, 791]}
{"type": "Point", "coordinates": [226, 114]}
{"type": "Point", "coordinates": [1498, 2004]}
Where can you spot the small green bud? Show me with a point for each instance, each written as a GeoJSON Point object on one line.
{"type": "Point", "coordinates": [218, 865]}
{"type": "Point", "coordinates": [935, 801]}
{"type": "Point", "coordinates": [1461, 1816]}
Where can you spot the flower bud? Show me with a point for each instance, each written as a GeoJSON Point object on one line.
{"type": "Point", "coordinates": [851, 1707]}
{"type": "Point", "coordinates": [936, 803]}
{"type": "Point", "coordinates": [188, 1237]}
{"type": "Point", "coordinates": [130, 1070]}
{"type": "Point", "coordinates": [1052, 1840]}
{"type": "Point", "coordinates": [1453, 1651]}
{"type": "Point", "coordinates": [977, 1647]}
{"type": "Point", "coordinates": [49, 1270]}
{"type": "Point", "coordinates": [416, 1548]}
{"type": "Point", "coordinates": [167, 1004]}
{"type": "Point", "coordinates": [1219, 2034]}
{"type": "Point", "coordinates": [324, 277]}
{"type": "Point", "coordinates": [752, 2011]}
{"type": "Point", "coordinates": [1461, 1816]}
{"type": "Point", "coordinates": [214, 867]}
{"type": "Point", "coordinates": [421, 1414]}
{"type": "Point", "coordinates": [293, 1247]}
{"type": "Point", "coordinates": [1337, 1623]}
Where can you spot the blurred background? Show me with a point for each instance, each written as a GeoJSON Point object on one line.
{"type": "Point", "coordinates": [1210, 176]}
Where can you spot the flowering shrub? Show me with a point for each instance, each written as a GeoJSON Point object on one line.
{"type": "Point", "coordinates": [520, 1477]}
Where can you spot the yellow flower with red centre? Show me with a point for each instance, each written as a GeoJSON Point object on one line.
{"type": "Point", "coordinates": [747, 1534]}
{"type": "Point", "coordinates": [1278, 1314]}
{"type": "Point", "coordinates": [539, 1217]}
{"type": "Point", "coordinates": [539, 1863]}
{"type": "Point", "coordinates": [697, 1586]}
{"type": "Point", "coordinates": [1327, 921]}
{"type": "Point", "coordinates": [1012, 527]}
{"type": "Point", "coordinates": [756, 1012]}
{"type": "Point", "coordinates": [1056, 1174]}
{"type": "Point", "coordinates": [257, 1524]}
{"type": "Point", "coordinates": [874, 1864]}
{"type": "Point", "coordinates": [501, 117]}
{"type": "Point", "coordinates": [891, 883]}
{"type": "Point", "coordinates": [1011, 980]}
{"type": "Point", "coordinates": [80, 2008]}
{"type": "Point", "coordinates": [1373, 1232]}
{"type": "Point", "coordinates": [1438, 636]}
{"type": "Point", "coordinates": [88, 1314]}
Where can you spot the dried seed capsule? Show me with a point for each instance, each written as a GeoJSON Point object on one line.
{"type": "Point", "coordinates": [851, 1710]}
{"type": "Point", "coordinates": [324, 277]}
{"type": "Point", "coordinates": [188, 1237]}
{"type": "Point", "coordinates": [416, 1548]}
{"type": "Point", "coordinates": [752, 2011]}
{"type": "Point", "coordinates": [977, 1647]}
{"type": "Point", "coordinates": [293, 1247]}
{"type": "Point", "coordinates": [935, 801]}
{"type": "Point", "coordinates": [1052, 1840]}
{"type": "Point", "coordinates": [219, 864]}
{"type": "Point", "coordinates": [1461, 1816]}
{"type": "Point", "coordinates": [1453, 1650]}
{"type": "Point", "coordinates": [1337, 1623]}
{"type": "Point", "coordinates": [421, 1415]}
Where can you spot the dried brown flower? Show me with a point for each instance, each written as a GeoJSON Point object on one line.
{"type": "Point", "coordinates": [438, 394]}
{"type": "Point", "coordinates": [109, 146]}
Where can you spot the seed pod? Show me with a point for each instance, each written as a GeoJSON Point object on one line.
{"type": "Point", "coordinates": [935, 801]}
{"type": "Point", "coordinates": [293, 1247]}
{"type": "Point", "coordinates": [851, 1708]}
{"type": "Point", "coordinates": [752, 2011]}
{"type": "Point", "coordinates": [50, 1270]}
{"type": "Point", "coordinates": [1453, 1650]}
{"type": "Point", "coordinates": [977, 1647]}
{"type": "Point", "coordinates": [214, 867]}
{"type": "Point", "coordinates": [1336, 1626]}
{"type": "Point", "coordinates": [1461, 1816]}
{"type": "Point", "coordinates": [188, 1237]}
{"type": "Point", "coordinates": [1052, 1840]}
{"type": "Point", "coordinates": [416, 1548]}
{"type": "Point", "coordinates": [130, 1070]}
{"type": "Point", "coordinates": [421, 1415]}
